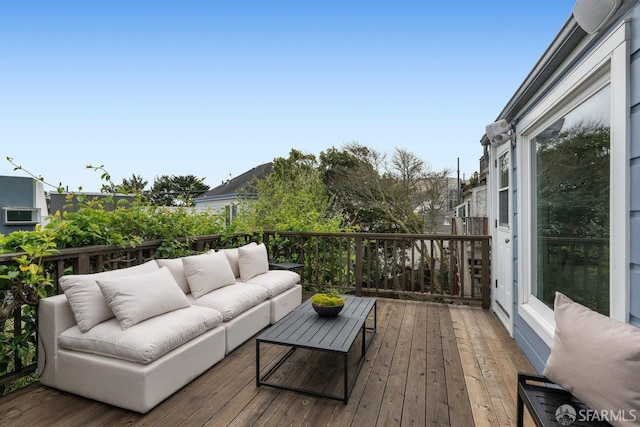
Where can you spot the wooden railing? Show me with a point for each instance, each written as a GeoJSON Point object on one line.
{"type": "Point", "coordinates": [445, 268]}
{"type": "Point", "coordinates": [398, 265]}
{"type": "Point", "coordinates": [477, 226]}
{"type": "Point", "coordinates": [576, 266]}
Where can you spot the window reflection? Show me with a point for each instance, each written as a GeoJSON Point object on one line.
{"type": "Point", "coordinates": [572, 205]}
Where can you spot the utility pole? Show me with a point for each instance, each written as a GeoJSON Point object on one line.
{"type": "Point", "coordinates": [458, 181]}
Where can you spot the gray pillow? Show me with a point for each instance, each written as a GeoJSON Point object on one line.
{"type": "Point", "coordinates": [252, 261]}
{"type": "Point", "coordinates": [143, 296]}
{"type": "Point", "coordinates": [207, 272]}
{"type": "Point", "coordinates": [85, 298]}
{"type": "Point", "coordinates": [596, 358]}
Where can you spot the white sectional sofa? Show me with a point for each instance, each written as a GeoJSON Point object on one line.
{"type": "Point", "coordinates": [132, 337]}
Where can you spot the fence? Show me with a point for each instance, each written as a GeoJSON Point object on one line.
{"type": "Point", "coordinates": [446, 268]}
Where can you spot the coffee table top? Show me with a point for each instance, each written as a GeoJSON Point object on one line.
{"type": "Point", "coordinates": [303, 327]}
{"type": "Point", "coordinates": [353, 306]}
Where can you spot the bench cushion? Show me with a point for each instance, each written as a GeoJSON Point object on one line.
{"type": "Point", "coordinates": [146, 341]}
{"type": "Point", "coordinates": [594, 357]}
{"type": "Point", "coordinates": [275, 281]}
{"type": "Point", "coordinates": [232, 300]}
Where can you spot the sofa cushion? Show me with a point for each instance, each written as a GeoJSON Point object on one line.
{"type": "Point", "coordinates": [232, 256]}
{"type": "Point", "coordinates": [232, 300]}
{"type": "Point", "coordinates": [85, 298]}
{"type": "Point", "coordinates": [139, 297]}
{"type": "Point", "coordinates": [275, 281]}
{"type": "Point", "coordinates": [207, 272]}
{"type": "Point", "coordinates": [595, 357]}
{"type": "Point", "coordinates": [176, 268]}
{"type": "Point", "coordinates": [146, 341]}
{"type": "Point", "coordinates": [252, 260]}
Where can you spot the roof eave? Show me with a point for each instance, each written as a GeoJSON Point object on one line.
{"type": "Point", "coordinates": [562, 45]}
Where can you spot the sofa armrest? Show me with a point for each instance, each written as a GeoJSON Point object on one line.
{"type": "Point", "coordinates": [54, 317]}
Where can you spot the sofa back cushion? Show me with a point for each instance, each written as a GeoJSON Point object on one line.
{"type": "Point", "coordinates": [176, 268]}
{"type": "Point", "coordinates": [207, 272]}
{"type": "Point", "coordinates": [252, 260]}
{"type": "Point", "coordinates": [595, 357]}
{"type": "Point", "coordinates": [232, 256]}
{"type": "Point", "coordinates": [85, 298]}
{"type": "Point", "coordinates": [136, 298]}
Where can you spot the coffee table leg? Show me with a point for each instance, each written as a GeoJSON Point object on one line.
{"type": "Point", "coordinates": [257, 363]}
{"type": "Point", "coordinates": [346, 377]}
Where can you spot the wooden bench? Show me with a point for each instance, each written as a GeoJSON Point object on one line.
{"type": "Point", "coordinates": [543, 397]}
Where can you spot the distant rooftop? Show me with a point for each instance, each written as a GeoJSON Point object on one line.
{"type": "Point", "coordinates": [241, 183]}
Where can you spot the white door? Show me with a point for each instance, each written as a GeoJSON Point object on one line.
{"type": "Point", "coordinates": [502, 258]}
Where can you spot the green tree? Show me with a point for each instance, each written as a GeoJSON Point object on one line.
{"type": "Point", "coordinates": [136, 184]}
{"type": "Point", "coordinates": [176, 190]}
{"type": "Point", "coordinates": [292, 198]}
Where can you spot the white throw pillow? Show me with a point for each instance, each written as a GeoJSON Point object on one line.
{"type": "Point", "coordinates": [252, 260]}
{"type": "Point", "coordinates": [207, 272]}
{"type": "Point", "coordinates": [595, 357]}
{"type": "Point", "coordinates": [85, 298]}
{"type": "Point", "coordinates": [140, 297]}
{"type": "Point", "coordinates": [232, 256]}
{"type": "Point", "coordinates": [176, 268]}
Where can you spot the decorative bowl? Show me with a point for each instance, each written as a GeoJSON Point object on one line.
{"type": "Point", "coordinates": [327, 310]}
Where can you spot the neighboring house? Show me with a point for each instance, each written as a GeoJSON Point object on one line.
{"type": "Point", "coordinates": [227, 197]}
{"type": "Point", "coordinates": [68, 202]}
{"type": "Point", "coordinates": [23, 203]}
{"type": "Point", "coordinates": [473, 202]}
{"type": "Point", "coordinates": [439, 206]}
{"type": "Point", "coordinates": [564, 190]}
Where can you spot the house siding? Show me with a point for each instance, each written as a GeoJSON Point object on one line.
{"type": "Point", "coordinates": [534, 348]}
{"type": "Point", "coordinates": [16, 192]}
{"type": "Point", "coordinates": [634, 167]}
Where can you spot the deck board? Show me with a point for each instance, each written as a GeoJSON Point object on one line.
{"type": "Point", "coordinates": [429, 364]}
{"type": "Point", "coordinates": [436, 403]}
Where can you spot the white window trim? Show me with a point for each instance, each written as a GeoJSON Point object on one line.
{"type": "Point", "coordinates": [35, 211]}
{"type": "Point", "coordinates": [611, 55]}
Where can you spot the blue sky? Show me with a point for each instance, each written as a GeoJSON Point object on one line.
{"type": "Point", "coordinates": [214, 88]}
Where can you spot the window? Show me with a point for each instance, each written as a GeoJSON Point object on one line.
{"type": "Point", "coordinates": [21, 216]}
{"type": "Point", "coordinates": [572, 234]}
{"type": "Point", "coordinates": [230, 213]}
{"type": "Point", "coordinates": [503, 190]}
{"type": "Point", "coordinates": [571, 204]}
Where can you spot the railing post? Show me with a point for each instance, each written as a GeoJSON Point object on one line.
{"type": "Point", "coordinates": [84, 266]}
{"type": "Point", "coordinates": [359, 257]}
{"type": "Point", "coordinates": [486, 278]}
{"type": "Point", "coordinates": [17, 331]}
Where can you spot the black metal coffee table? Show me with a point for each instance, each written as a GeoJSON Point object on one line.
{"type": "Point", "coordinates": [303, 328]}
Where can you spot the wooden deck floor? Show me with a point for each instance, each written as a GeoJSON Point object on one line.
{"type": "Point", "coordinates": [428, 364]}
